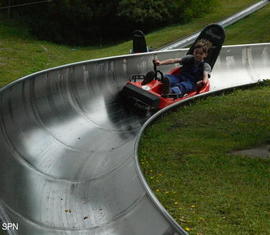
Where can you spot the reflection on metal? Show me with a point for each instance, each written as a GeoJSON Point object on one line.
{"type": "Point", "coordinates": [68, 145]}
{"type": "Point", "coordinates": [228, 21]}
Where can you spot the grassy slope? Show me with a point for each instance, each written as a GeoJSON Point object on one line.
{"type": "Point", "coordinates": [222, 10]}
{"type": "Point", "coordinates": [253, 29]}
{"type": "Point", "coordinates": [189, 164]}
{"type": "Point", "coordinates": [20, 54]}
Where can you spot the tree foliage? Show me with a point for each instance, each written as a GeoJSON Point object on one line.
{"type": "Point", "coordinates": [85, 22]}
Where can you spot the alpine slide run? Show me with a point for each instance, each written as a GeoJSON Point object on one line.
{"type": "Point", "coordinates": [68, 145]}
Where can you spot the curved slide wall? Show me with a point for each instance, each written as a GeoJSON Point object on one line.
{"type": "Point", "coordinates": [68, 143]}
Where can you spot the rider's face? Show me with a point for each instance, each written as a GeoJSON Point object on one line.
{"type": "Point", "coordinates": [199, 54]}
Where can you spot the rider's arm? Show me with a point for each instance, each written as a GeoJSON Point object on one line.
{"type": "Point", "coordinates": [206, 74]}
{"type": "Point", "coordinates": [205, 78]}
{"type": "Point", "coordinates": [168, 61]}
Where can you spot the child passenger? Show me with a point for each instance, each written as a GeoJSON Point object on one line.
{"type": "Point", "coordinates": [194, 72]}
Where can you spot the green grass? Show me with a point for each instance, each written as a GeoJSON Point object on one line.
{"type": "Point", "coordinates": [21, 54]}
{"type": "Point", "coordinates": [2, 232]}
{"type": "Point", "coordinates": [253, 29]}
{"type": "Point", "coordinates": [187, 159]}
{"type": "Point", "coordinates": [222, 10]}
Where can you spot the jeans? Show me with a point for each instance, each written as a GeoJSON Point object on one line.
{"type": "Point", "coordinates": [180, 84]}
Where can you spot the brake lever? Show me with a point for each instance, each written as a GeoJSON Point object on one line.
{"type": "Point", "coordinates": [157, 72]}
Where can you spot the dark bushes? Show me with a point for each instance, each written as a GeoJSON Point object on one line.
{"type": "Point", "coordinates": [88, 22]}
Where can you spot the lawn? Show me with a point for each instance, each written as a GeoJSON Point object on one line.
{"type": "Point", "coordinates": [2, 232]}
{"type": "Point", "coordinates": [188, 160]}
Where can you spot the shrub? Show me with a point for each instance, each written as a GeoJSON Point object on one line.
{"type": "Point", "coordinates": [86, 22]}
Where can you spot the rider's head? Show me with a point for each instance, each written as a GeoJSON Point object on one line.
{"type": "Point", "coordinates": [200, 50]}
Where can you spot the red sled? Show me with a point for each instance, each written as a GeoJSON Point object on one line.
{"type": "Point", "coordinates": [149, 96]}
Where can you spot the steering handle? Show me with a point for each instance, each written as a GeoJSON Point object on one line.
{"type": "Point", "coordinates": [157, 72]}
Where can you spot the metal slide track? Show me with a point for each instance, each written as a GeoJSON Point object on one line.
{"type": "Point", "coordinates": [68, 145]}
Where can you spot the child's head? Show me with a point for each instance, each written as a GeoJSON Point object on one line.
{"type": "Point", "coordinates": [200, 50]}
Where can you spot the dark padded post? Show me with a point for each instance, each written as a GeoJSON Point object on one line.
{"type": "Point", "coordinates": [139, 43]}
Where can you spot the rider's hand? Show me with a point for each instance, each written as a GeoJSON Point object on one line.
{"type": "Point", "coordinates": [200, 83]}
{"type": "Point", "coordinates": [156, 62]}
